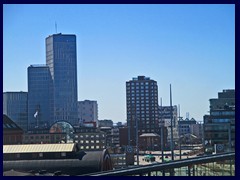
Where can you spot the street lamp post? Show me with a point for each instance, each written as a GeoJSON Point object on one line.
{"type": "Point", "coordinates": [180, 137]}
{"type": "Point", "coordinates": [229, 138]}
{"type": "Point", "coordinates": [137, 140]}
{"type": "Point", "coordinates": [180, 146]}
{"type": "Point", "coordinates": [162, 129]}
{"type": "Point", "coordinates": [172, 151]}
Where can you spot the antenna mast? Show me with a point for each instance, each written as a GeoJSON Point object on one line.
{"type": "Point", "coordinates": [56, 27]}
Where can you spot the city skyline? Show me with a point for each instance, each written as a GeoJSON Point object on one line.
{"type": "Point", "coordinates": [190, 47]}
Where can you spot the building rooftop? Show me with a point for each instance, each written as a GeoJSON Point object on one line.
{"type": "Point", "coordinates": [149, 135]}
{"type": "Point", "coordinates": [38, 148]}
{"type": "Point", "coordinates": [9, 125]}
{"type": "Point", "coordinates": [38, 65]}
{"type": "Point", "coordinates": [140, 78]}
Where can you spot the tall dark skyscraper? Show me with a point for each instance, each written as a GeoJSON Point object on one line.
{"type": "Point", "coordinates": [142, 106]}
{"type": "Point", "coordinates": [39, 86]}
{"type": "Point", "coordinates": [61, 58]}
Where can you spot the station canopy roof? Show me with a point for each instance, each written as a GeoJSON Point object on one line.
{"type": "Point", "coordinates": [39, 148]}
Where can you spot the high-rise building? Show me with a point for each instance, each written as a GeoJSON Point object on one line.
{"type": "Point", "coordinates": [39, 93]}
{"type": "Point", "coordinates": [88, 112]}
{"type": "Point", "coordinates": [15, 107]}
{"type": "Point", "coordinates": [142, 107]}
{"type": "Point", "coordinates": [219, 126]}
{"type": "Point", "coordinates": [61, 58]}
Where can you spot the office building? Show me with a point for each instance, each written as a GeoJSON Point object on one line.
{"type": "Point", "coordinates": [61, 58]}
{"type": "Point", "coordinates": [142, 107]}
{"type": "Point", "coordinates": [88, 112]}
{"type": "Point", "coordinates": [39, 94]}
{"type": "Point", "coordinates": [190, 126]}
{"type": "Point", "coordinates": [219, 126]}
{"type": "Point", "coordinates": [106, 123]}
{"type": "Point", "coordinates": [15, 107]}
{"type": "Point", "coordinates": [12, 133]}
{"type": "Point", "coordinates": [90, 138]}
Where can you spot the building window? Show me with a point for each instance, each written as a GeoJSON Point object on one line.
{"type": "Point", "coordinates": [40, 154]}
{"type": "Point", "coordinates": [63, 154]}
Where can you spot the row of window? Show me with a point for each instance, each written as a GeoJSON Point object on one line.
{"type": "Point", "coordinates": [219, 113]}
{"type": "Point", "coordinates": [90, 136]}
{"type": "Point", "coordinates": [41, 137]}
{"type": "Point", "coordinates": [220, 120]}
{"type": "Point", "coordinates": [142, 111]}
{"type": "Point", "coordinates": [91, 141]}
{"type": "Point", "coordinates": [142, 97]}
{"type": "Point", "coordinates": [148, 130]}
{"type": "Point", "coordinates": [142, 107]}
{"type": "Point", "coordinates": [142, 102]}
{"type": "Point", "coordinates": [138, 111]}
{"type": "Point", "coordinates": [92, 147]}
{"type": "Point", "coordinates": [140, 91]}
{"type": "Point", "coordinates": [134, 82]}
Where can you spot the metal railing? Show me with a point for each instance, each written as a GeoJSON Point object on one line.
{"type": "Point", "coordinates": [213, 165]}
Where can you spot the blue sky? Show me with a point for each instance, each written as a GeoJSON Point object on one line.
{"type": "Point", "coordinates": [191, 47]}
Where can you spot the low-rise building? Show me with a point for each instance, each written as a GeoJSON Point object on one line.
{"type": "Point", "coordinates": [12, 133]}
{"type": "Point", "coordinates": [149, 141]}
{"type": "Point", "coordinates": [90, 138]}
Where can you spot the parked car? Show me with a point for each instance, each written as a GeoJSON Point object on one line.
{"type": "Point", "coordinates": [149, 158]}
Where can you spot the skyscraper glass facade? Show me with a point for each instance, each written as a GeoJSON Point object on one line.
{"type": "Point", "coordinates": [15, 107]}
{"type": "Point", "coordinates": [39, 86]}
{"type": "Point", "coordinates": [61, 58]}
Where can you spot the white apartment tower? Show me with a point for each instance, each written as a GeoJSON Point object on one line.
{"type": "Point", "coordinates": [88, 112]}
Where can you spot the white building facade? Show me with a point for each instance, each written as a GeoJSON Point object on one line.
{"type": "Point", "coordinates": [88, 112]}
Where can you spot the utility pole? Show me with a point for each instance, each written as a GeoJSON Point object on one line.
{"type": "Point", "coordinates": [56, 27]}
{"type": "Point", "coordinates": [229, 138]}
{"type": "Point", "coordinates": [137, 148]}
{"type": "Point", "coordinates": [180, 139]}
{"type": "Point", "coordinates": [128, 123]}
{"type": "Point", "coordinates": [172, 151]}
{"type": "Point", "coordinates": [162, 129]}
